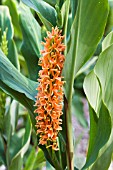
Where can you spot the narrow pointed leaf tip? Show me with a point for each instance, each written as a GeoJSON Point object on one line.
{"type": "Point", "coordinates": [50, 90]}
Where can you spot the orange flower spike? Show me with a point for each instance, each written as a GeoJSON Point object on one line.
{"type": "Point", "coordinates": [50, 89]}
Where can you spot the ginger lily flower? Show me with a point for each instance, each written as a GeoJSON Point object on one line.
{"type": "Point", "coordinates": [50, 90]}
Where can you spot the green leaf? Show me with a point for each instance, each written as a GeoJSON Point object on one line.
{"type": "Point", "coordinates": [15, 80]}
{"type": "Point", "coordinates": [46, 23]}
{"type": "Point", "coordinates": [87, 67]}
{"type": "Point", "coordinates": [40, 158]}
{"type": "Point", "coordinates": [20, 145]}
{"type": "Point", "coordinates": [108, 40]}
{"type": "Point", "coordinates": [17, 85]}
{"type": "Point", "coordinates": [12, 54]}
{"type": "Point", "coordinates": [93, 130]}
{"type": "Point", "coordinates": [31, 45]}
{"type": "Point", "coordinates": [5, 22]}
{"type": "Point", "coordinates": [30, 160]}
{"type": "Point", "coordinates": [105, 156]}
{"type": "Point", "coordinates": [16, 163]}
{"type": "Point", "coordinates": [2, 152]}
{"type": "Point", "coordinates": [99, 133]}
{"type": "Point", "coordinates": [28, 103]}
{"type": "Point", "coordinates": [82, 43]}
{"type": "Point", "coordinates": [51, 2]}
{"type": "Point", "coordinates": [74, 8]}
{"type": "Point", "coordinates": [103, 70]}
{"type": "Point", "coordinates": [12, 5]}
{"type": "Point", "coordinates": [44, 9]}
{"type": "Point", "coordinates": [109, 25]}
{"type": "Point", "coordinates": [92, 90]}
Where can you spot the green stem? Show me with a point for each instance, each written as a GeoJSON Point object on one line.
{"type": "Point", "coordinates": [69, 134]}
{"type": "Point", "coordinates": [54, 160]}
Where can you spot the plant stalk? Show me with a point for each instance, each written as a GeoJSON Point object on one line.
{"type": "Point", "coordinates": [69, 135]}
{"type": "Point", "coordinates": [54, 160]}
{"type": "Point", "coordinates": [67, 104]}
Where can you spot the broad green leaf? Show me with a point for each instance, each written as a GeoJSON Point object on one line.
{"type": "Point", "coordinates": [109, 25]}
{"type": "Point", "coordinates": [20, 145]}
{"type": "Point", "coordinates": [12, 5]}
{"type": "Point", "coordinates": [69, 27]}
{"type": "Point", "coordinates": [104, 72]}
{"type": "Point", "coordinates": [84, 38]}
{"type": "Point", "coordinates": [94, 99]}
{"type": "Point", "coordinates": [87, 67]}
{"type": "Point", "coordinates": [12, 54]}
{"type": "Point", "coordinates": [16, 163]}
{"type": "Point", "coordinates": [106, 152]}
{"type": "Point", "coordinates": [40, 158]}
{"type": "Point", "coordinates": [108, 40]}
{"type": "Point", "coordinates": [105, 156]}
{"type": "Point", "coordinates": [43, 8]}
{"type": "Point", "coordinates": [15, 146]}
{"type": "Point", "coordinates": [93, 130]}
{"type": "Point", "coordinates": [74, 8]}
{"type": "Point", "coordinates": [28, 103]}
{"type": "Point", "coordinates": [59, 16]}
{"type": "Point", "coordinates": [5, 23]}
{"type": "Point", "coordinates": [98, 135]}
{"type": "Point", "coordinates": [17, 85]}
{"type": "Point", "coordinates": [15, 80]}
{"type": "Point", "coordinates": [30, 160]}
{"type": "Point", "coordinates": [51, 2]}
{"type": "Point", "coordinates": [92, 90]}
{"type": "Point", "coordinates": [46, 23]}
{"type": "Point", "coordinates": [31, 45]}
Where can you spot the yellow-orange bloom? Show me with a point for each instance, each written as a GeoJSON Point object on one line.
{"type": "Point", "coordinates": [50, 90]}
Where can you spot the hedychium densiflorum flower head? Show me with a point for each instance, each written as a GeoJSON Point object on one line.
{"type": "Point", "coordinates": [49, 98]}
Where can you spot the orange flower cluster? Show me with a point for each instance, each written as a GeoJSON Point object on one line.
{"type": "Point", "coordinates": [50, 90]}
